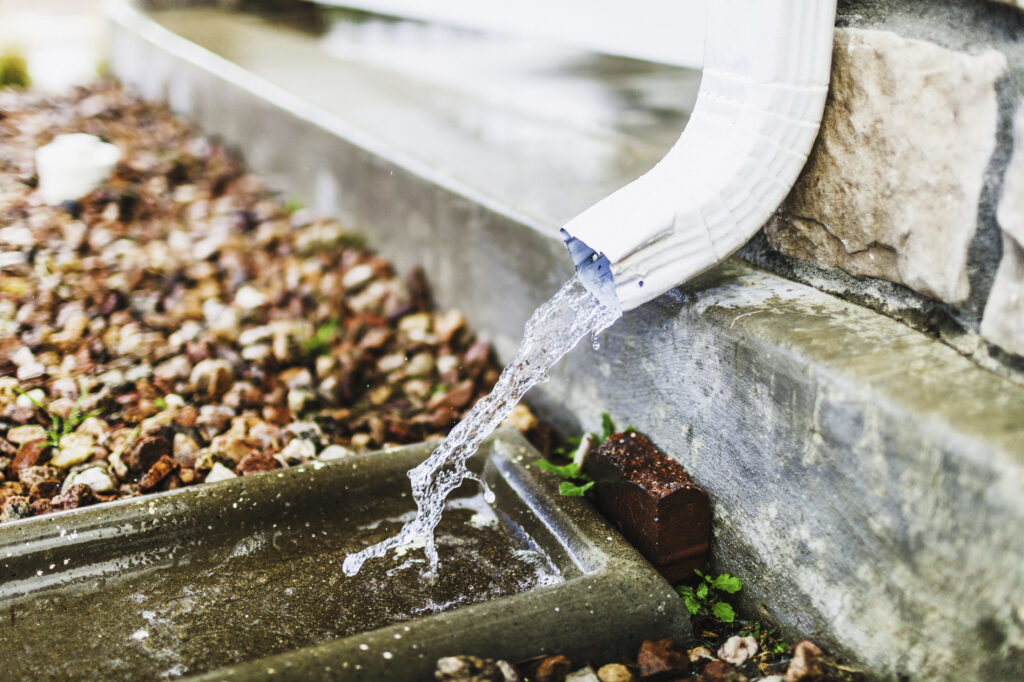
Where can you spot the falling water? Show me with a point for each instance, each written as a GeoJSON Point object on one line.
{"type": "Point", "coordinates": [550, 333]}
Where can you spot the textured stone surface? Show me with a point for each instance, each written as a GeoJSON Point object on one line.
{"type": "Point", "coordinates": [1003, 323]}
{"type": "Point", "coordinates": [892, 186]}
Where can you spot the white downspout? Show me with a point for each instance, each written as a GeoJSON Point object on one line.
{"type": "Point", "coordinates": [762, 92]}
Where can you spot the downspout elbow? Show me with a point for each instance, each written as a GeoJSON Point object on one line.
{"type": "Point", "coordinates": [762, 93]}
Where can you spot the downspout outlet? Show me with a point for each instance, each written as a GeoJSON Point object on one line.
{"type": "Point", "coordinates": [763, 87]}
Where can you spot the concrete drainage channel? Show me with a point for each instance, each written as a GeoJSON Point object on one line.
{"type": "Point", "coordinates": [242, 579]}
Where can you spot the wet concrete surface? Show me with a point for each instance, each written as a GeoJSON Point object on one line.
{"type": "Point", "coordinates": [242, 579]}
{"type": "Point", "coordinates": [248, 592]}
{"type": "Point", "coordinates": [489, 111]}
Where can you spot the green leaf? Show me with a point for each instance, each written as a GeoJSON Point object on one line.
{"type": "Point", "coordinates": [723, 612]}
{"type": "Point", "coordinates": [691, 602]}
{"type": "Point", "coordinates": [160, 403]}
{"type": "Point", "coordinates": [698, 573]}
{"type": "Point", "coordinates": [702, 591]}
{"type": "Point", "coordinates": [293, 204]}
{"type": "Point", "coordinates": [569, 489]}
{"type": "Point", "coordinates": [31, 399]}
{"type": "Point", "coordinates": [727, 583]}
{"type": "Point", "coordinates": [569, 470]}
{"type": "Point", "coordinates": [321, 340]}
{"type": "Point", "coordinates": [607, 426]}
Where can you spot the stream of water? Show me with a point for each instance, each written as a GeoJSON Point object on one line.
{"type": "Point", "coordinates": [552, 331]}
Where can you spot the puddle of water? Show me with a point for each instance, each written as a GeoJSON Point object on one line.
{"type": "Point", "coordinates": [257, 593]}
{"type": "Point", "coordinates": [553, 330]}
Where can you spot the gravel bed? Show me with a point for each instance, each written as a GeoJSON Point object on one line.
{"type": "Point", "coordinates": [182, 324]}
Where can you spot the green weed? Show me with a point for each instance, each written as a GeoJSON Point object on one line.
{"type": "Point", "coordinates": [706, 597]}
{"type": "Point", "coordinates": [59, 426]}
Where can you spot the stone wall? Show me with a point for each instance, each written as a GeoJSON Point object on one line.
{"type": "Point", "coordinates": [914, 179]}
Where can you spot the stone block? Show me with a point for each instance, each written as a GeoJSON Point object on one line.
{"type": "Point", "coordinates": [652, 500]}
{"type": "Point", "coordinates": [1003, 323]}
{"type": "Point", "coordinates": [892, 186]}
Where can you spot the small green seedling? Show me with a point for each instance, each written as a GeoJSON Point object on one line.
{"type": "Point", "coordinates": [13, 70]}
{"type": "Point", "coordinates": [607, 426]}
{"type": "Point", "coordinates": [768, 641]}
{"type": "Point", "coordinates": [321, 341]}
{"type": "Point", "coordinates": [160, 403]}
{"type": "Point", "coordinates": [293, 205]}
{"type": "Point", "coordinates": [705, 598]}
{"type": "Point", "coordinates": [576, 483]}
{"type": "Point", "coordinates": [60, 427]}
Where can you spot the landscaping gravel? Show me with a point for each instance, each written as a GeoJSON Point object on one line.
{"type": "Point", "coordinates": [182, 324]}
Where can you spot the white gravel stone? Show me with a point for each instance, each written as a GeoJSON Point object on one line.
{"type": "Point", "coordinates": [298, 450]}
{"type": "Point", "coordinates": [219, 472]}
{"type": "Point", "coordinates": [586, 674]}
{"type": "Point", "coordinates": [25, 434]}
{"type": "Point", "coordinates": [30, 399]}
{"type": "Point", "coordinates": [249, 298]}
{"type": "Point", "coordinates": [23, 356]}
{"type": "Point", "coordinates": [335, 452]}
{"type": "Point", "coordinates": [75, 448]}
{"type": "Point", "coordinates": [95, 477]}
{"type": "Point", "coordinates": [255, 334]}
{"type": "Point", "coordinates": [26, 372]}
{"type": "Point", "coordinates": [357, 276]}
{"type": "Point", "coordinates": [737, 650]}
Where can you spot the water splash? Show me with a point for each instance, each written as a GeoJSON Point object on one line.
{"type": "Point", "coordinates": [552, 331]}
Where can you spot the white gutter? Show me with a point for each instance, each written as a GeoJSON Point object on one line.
{"type": "Point", "coordinates": [762, 92]}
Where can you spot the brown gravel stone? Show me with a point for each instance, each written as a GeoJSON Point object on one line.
{"type": "Point", "coordinates": [11, 489]}
{"type": "Point", "coordinates": [720, 671]}
{"type": "Point", "coordinates": [43, 490]}
{"type": "Point", "coordinates": [78, 495]}
{"type": "Point", "coordinates": [36, 474]}
{"type": "Point", "coordinates": [255, 463]}
{"type": "Point", "coordinates": [660, 659]}
{"type": "Point", "coordinates": [15, 507]}
{"type": "Point", "coordinates": [147, 451]}
{"type": "Point", "coordinates": [29, 454]}
{"type": "Point", "coordinates": [614, 672]}
{"type": "Point", "coordinates": [806, 665]}
{"type": "Point", "coordinates": [553, 669]}
{"type": "Point", "coordinates": [456, 397]}
{"type": "Point", "coordinates": [156, 472]}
